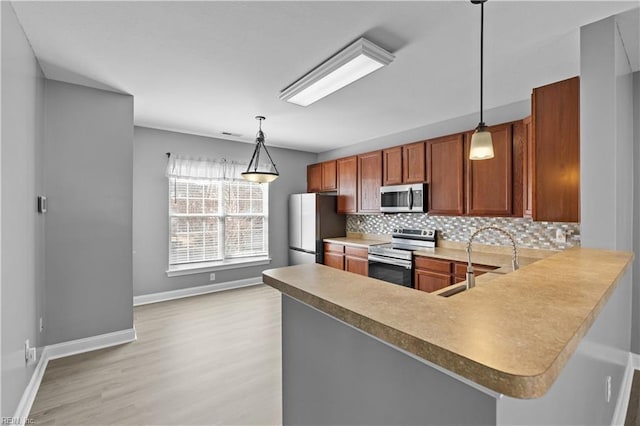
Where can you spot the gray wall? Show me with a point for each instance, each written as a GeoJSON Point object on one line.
{"type": "Point", "coordinates": [334, 374]}
{"type": "Point", "coordinates": [503, 114]}
{"type": "Point", "coordinates": [88, 179]}
{"type": "Point", "coordinates": [22, 228]}
{"type": "Point", "coordinates": [635, 323]}
{"type": "Point", "coordinates": [150, 208]}
{"type": "Point", "coordinates": [607, 149]}
{"type": "Point", "coordinates": [606, 129]}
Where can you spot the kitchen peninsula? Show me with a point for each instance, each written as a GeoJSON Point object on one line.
{"type": "Point", "coordinates": [358, 350]}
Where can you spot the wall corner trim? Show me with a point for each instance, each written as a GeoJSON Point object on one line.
{"type": "Point", "coordinates": [64, 349]}
{"type": "Point", "coordinates": [164, 296]}
{"type": "Point", "coordinates": [620, 412]}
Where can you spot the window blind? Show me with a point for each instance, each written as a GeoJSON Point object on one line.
{"type": "Point", "coordinates": [214, 219]}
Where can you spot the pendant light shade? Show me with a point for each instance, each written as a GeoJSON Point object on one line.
{"type": "Point", "coordinates": [481, 144]}
{"type": "Point", "coordinates": [268, 173]}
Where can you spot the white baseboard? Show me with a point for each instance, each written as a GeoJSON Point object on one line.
{"type": "Point", "coordinates": [29, 394]}
{"type": "Point", "coordinates": [88, 344]}
{"type": "Point", "coordinates": [145, 299]}
{"type": "Point", "coordinates": [620, 412]}
{"type": "Point", "coordinates": [60, 350]}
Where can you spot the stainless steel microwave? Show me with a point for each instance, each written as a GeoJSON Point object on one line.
{"type": "Point", "coordinates": [403, 198]}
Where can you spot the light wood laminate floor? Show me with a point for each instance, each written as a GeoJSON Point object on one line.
{"type": "Point", "coordinates": [207, 360]}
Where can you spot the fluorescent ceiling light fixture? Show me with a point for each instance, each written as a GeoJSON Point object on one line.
{"type": "Point", "coordinates": [350, 64]}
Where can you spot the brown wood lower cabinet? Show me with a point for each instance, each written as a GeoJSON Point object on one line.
{"type": "Point", "coordinates": [346, 258]}
{"type": "Point", "coordinates": [432, 274]}
{"type": "Point", "coordinates": [430, 281]}
{"type": "Point", "coordinates": [334, 255]}
{"type": "Point", "coordinates": [356, 260]}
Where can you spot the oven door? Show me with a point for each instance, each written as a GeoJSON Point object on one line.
{"type": "Point", "coordinates": [396, 271]}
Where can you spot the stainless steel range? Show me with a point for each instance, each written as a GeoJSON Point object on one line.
{"type": "Point", "coordinates": [393, 262]}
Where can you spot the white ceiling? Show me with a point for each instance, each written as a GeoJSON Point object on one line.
{"type": "Point", "coordinates": [210, 67]}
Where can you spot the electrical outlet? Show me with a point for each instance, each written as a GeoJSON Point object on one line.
{"type": "Point", "coordinates": [31, 356]}
{"type": "Point", "coordinates": [608, 389]}
{"type": "Point", "coordinates": [212, 277]}
{"type": "Point", "coordinates": [41, 324]}
{"type": "Point", "coordinates": [561, 237]}
{"type": "Point", "coordinates": [29, 352]}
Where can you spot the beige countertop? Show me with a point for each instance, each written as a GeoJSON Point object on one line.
{"type": "Point", "coordinates": [355, 242]}
{"type": "Point", "coordinates": [513, 334]}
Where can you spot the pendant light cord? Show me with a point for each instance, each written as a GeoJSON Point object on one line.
{"type": "Point", "coordinates": [481, 56]}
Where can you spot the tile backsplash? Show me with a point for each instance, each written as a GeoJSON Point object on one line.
{"type": "Point", "coordinates": [530, 234]}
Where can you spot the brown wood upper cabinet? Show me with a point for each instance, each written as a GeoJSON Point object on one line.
{"type": "Point", "coordinates": [489, 182]}
{"type": "Point", "coordinates": [554, 158]}
{"type": "Point", "coordinates": [329, 176]}
{"type": "Point", "coordinates": [347, 174]}
{"type": "Point", "coordinates": [392, 166]}
{"type": "Point", "coordinates": [527, 168]}
{"type": "Point", "coordinates": [404, 164]}
{"type": "Point", "coordinates": [369, 181]}
{"type": "Point", "coordinates": [322, 177]}
{"type": "Point", "coordinates": [314, 177]}
{"type": "Point", "coordinates": [445, 174]}
{"type": "Point", "coordinates": [413, 163]}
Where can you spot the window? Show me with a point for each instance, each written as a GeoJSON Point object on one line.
{"type": "Point", "coordinates": [216, 220]}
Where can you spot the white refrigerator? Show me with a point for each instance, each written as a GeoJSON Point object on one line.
{"type": "Point", "coordinates": [312, 218]}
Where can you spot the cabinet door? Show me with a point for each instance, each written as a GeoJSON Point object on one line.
{"type": "Point", "coordinates": [369, 181]}
{"type": "Point", "coordinates": [517, 161]}
{"type": "Point", "coordinates": [347, 173]}
{"type": "Point", "coordinates": [489, 182]}
{"type": "Point", "coordinates": [527, 168]}
{"type": "Point", "coordinates": [445, 173]}
{"type": "Point", "coordinates": [430, 281]}
{"type": "Point", "coordinates": [413, 163]}
{"type": "Point", "coordinates": [334, 260]}
{"type": "Point", "coordinates": [392, 166]}
{"type": "Point", "coordinates": [556, 151]}
{"type": "Point", "coordinates": [356, 265]}
{"type": "Point", "coordinates": [329, 181]}
{"type": "Point", "coordinates": [314, 177]}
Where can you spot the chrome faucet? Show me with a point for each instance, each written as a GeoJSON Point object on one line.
{"type": "Point", "coordinates": [471, 279]}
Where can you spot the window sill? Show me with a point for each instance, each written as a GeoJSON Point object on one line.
{"type": "Point", "coordinates": [189, 269]}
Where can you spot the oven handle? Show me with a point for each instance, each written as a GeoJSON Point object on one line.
{"type": "Point", "coordinates": [396, 262]}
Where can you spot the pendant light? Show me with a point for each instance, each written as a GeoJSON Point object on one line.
{"type": "Point", "coordinates": [255, 175]}
{"type": "Point", "coordinates": [481, 143]}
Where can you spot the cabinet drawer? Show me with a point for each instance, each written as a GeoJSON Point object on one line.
{"type": "Point", "coordinates": [437, 265]}
{"type": "Point", "coordinates": [336, 248]}
{"type": "Point", "coordinates": [356, 252]}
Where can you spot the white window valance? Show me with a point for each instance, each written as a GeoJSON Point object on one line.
{"type": "Point", "coordinates": [204, 168]}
